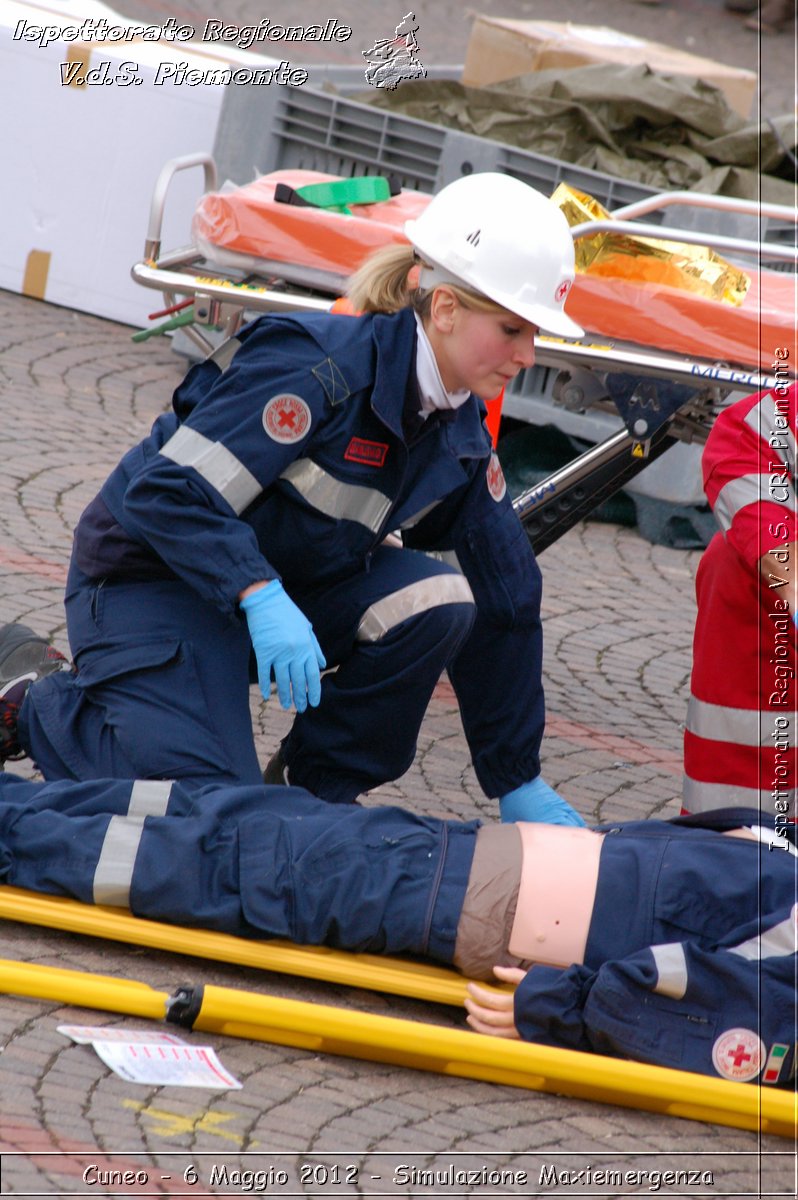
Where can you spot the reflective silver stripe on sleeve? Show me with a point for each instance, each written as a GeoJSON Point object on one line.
{"type": "Point", "coordinates": [741, 726]}
{"type": "Point", "coordinates": [671, 970]}
{"type": "Point", "coordinates": [149, 798]}
{"type": "Point", "coordinates": [334, 498]}
{"type": "Point", "coordinates": [114, 873]}
{"type": "Point", "coordinates": [763, 418]}
{"type": "Point", "coordinates": [737, 494]}
{"type": "Point", "coordinates": [223, 354]}
{"type": "Point", "coordinates": [776, 942]}
{"type": "Point", "coordinates": [217, 466]}
{"type": "Point", "coordinates": [703, 797]}
{"type": "Point", "coordinates": [409, 601]}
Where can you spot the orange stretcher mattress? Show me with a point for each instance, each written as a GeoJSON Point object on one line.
{"type": "Point", "coordinates": [668, 318]}
{"type": "Point", "coordinates": [249, 222]}
{"type": "Point", "coordinates": [245, 227]}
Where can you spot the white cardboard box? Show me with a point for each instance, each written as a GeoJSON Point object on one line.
{"type": "Point", "coordinates": [80, 162]}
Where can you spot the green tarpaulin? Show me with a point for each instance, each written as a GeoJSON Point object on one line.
{"type": "Point", "coordinates": [667, 132]}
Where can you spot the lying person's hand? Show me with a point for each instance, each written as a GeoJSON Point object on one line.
{"type": "Point", "coordinates": [492, 1012]}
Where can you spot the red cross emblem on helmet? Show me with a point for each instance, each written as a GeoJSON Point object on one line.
{"type": "Point", "coordinates": [286, 418]}
{"type": "Point", "coordinates": [562, 291]}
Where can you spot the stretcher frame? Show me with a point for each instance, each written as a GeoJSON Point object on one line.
{"type": "Point", "coordinates": [687, 392]}
{"type": "Point", "coordinates": [330, 1030]}
{"type": "Point", "coordinates": [224, 300]}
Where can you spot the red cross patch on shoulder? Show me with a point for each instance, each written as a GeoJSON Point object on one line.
{"type": "Point", "coordinates": [286, 418]}
{"type": "Point", "coordinates": [738, 1054]}
{"type": "Point", "coordinates": [497, 484]}
{"type": "Point", "coordinates": [360, 450]}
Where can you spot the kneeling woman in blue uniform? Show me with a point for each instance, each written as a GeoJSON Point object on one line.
{"type": "Point", "coordinates": [255, 517]}
{"type": "Point", "coordinates": [667, 942]}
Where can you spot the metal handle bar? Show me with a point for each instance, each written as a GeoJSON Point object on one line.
{"type": "Point", "coordinates": [640, 208]}
{"type": "Point", "coordinates": [152, 246]}
{"type": "Point", "coordinates": [256, 298]}
{"type": "Point", "coordinates": [653, 364]}
{"type": "Point", "coordinates": [658, 364]}
{"type": "Point", "coordinates": [694, 236]}
{"type": "Point", "coordinates": [554, 506]}
{"type": "Point", "coordinates": [580, 468]}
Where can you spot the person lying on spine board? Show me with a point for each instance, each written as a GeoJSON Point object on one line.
{"type": "Point", "coordinates": [669, 942]}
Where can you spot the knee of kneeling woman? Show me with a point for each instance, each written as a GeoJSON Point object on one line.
{"type": "Point", "coordinates": [438, 614]}
{"type": "Point", "coordinates": [451, 623]}
{"type": "Point", "coordinates": [440, 629]}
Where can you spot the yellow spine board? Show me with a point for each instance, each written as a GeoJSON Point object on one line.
{"type": "Point", "coordinates": [323, 1028]}
{"type": "Point", "coordinates": [421, 981]}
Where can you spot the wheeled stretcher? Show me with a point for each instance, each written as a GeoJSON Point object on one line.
{"type": "Point", "coordinates": [666, 360]}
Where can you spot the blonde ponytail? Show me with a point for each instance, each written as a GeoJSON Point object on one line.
{"type": "Point", "coordinates": [380, 283]}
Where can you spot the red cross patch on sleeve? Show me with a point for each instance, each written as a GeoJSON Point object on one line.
{"type": "Point", "coordinates": [286, 418]}
{"type": "Point", "coordinates": [738, 1054]}
{"type": "Point", "coordinates": [497, 484]}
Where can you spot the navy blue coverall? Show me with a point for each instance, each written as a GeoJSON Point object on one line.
{"type": "Point", "coordinates": [691, 952]}
{"type": "Point", "coordinates": [291, 453]}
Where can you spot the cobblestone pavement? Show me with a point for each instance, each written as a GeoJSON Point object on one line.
{"type": "Point", "coordinates": [618, 623]}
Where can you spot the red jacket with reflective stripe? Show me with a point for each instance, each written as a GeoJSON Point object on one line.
{"type": "Point", "coordinates": [739, 746]}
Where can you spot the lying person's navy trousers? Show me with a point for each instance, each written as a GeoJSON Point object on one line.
{"type": "Point", "coordinates": [256, 861]}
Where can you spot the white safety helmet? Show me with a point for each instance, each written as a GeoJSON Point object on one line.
{"type": "Point", "coordinates": [495, 235]}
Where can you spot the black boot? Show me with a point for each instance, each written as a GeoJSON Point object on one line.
{"type": "Point", "coordinates": [24, 658]}
{"type": "Point", "coordinates": [276, 773]}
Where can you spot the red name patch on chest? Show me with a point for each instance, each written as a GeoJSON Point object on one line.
{"type": "Point", "coordinates": [372, 454]}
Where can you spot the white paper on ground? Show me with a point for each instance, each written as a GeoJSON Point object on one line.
{"type": "Point", "coordinates": [165, 1065]}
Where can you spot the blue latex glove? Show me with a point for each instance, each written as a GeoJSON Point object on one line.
{"type": "Point", "coordinates": [284, 642]}
{"type": "Point", "coordinates": [536, 801]}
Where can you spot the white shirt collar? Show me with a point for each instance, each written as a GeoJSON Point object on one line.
{"type": "Point", "coordinates": [431, 388]}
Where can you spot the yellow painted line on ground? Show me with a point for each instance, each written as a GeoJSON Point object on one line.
{"type": "Point", "coordinates": [169, 1124]}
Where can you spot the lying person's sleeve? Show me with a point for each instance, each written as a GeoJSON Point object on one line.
{"type": "Point", "coordinates": [718, 1012]}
